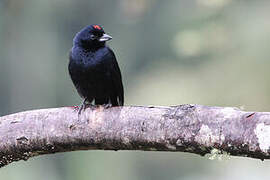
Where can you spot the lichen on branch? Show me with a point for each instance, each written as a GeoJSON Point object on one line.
{"type": "Point", "coordinates": [186, 128]}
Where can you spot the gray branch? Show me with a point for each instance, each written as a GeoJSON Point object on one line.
{"type": "Point", "coordinates": [186, 128]}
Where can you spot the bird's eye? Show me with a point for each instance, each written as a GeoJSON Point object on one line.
{"type": "Point", "coordinates": [93, 37]}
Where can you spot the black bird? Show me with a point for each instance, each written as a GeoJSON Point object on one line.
{"type": "Point", "coordinates": [94, 70]}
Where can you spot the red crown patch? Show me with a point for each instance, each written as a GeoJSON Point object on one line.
{"type": "Point", "coordinates": [97, 27]}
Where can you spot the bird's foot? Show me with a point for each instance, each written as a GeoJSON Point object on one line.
{"type": "Point", "coordinates": [82, 107]}
{"type": "Point", "coordinates": [106, 106]}
{"type": "Point", "coordinates": [80, 110]}
{"type": "Point", "coordinates": [85, 105]}
{"type": "Point", "coordinates": [92, 106]}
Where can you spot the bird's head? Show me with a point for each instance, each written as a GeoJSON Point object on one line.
{"type": "Point", "coordinates": [91, 37]}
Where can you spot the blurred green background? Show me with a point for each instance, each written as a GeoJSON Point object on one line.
{"type": "Point", "coordinates": [211, 52]}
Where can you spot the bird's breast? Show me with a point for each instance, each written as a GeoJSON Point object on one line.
{"type": "Point", "coordinates": [90, 62]}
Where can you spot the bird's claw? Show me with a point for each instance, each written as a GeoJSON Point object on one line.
{"type": "Point", "coordinates": [106, 106]}
{"type": "Point", "coordinates": [82, 107]}
{"type": "Point", "coordinates": [92, 107]}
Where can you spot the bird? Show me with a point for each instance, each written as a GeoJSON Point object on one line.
{"type": "Point", "coordinates": [94, 70]}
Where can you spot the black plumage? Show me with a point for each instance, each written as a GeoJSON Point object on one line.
{"type": "Point", "coordinates": [94, 70]}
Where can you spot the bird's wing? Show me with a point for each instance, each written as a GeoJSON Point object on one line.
{"type": "Point", "coordinates": [73, 73]}
{"type": "Point", "coordinates": [116, 77]}
{"type": "Point", "coordinates": [70, 67]}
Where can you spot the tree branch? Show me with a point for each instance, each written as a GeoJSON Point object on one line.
{"type": "Point", "coordinates": [187, 128]}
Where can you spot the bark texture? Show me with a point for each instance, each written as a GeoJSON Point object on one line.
{"type": "Point", "coordinates": [186, 128]}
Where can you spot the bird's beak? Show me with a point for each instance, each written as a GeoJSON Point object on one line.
{"type": "Point", "coordinates": [105, 37]}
